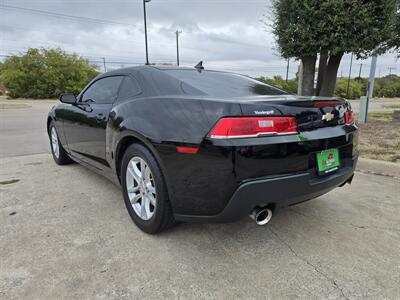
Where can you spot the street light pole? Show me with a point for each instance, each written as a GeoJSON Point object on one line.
{"type": "Point", "coordinates": [348, 81]}
{"type": "Point", "coordinates": [177, 46]}
{"type": "Point", "coordinates": [145, 30]}
{"type": "Point", "coordinates": [359, 74]}
{"type": "Point", "coordinates": [104, 64]}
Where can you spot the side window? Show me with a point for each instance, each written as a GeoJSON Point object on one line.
{"type": "Point", "coordinates": [129, 88]}
{"type": "Point", "coordinates": [103, 91]}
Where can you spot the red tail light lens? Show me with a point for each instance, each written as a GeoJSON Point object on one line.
{"type": "Point", "coordinates": [243, 127]}
{"type": "Point", "coordinates": [349, 117]}
{"type": "Point", "coordinates": [320, 104]}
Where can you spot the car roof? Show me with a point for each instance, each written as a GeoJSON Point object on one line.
{"type": "Point", "coordinates": [146, 69]}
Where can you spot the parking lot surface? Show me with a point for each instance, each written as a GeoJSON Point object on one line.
{"type": "Point", "coordinates": [23, 126]}
{"type": "Point", "coordinates": [65, 233]}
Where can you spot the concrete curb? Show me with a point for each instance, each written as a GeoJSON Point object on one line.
{"type": "Point", "coordinates": [378, 167]}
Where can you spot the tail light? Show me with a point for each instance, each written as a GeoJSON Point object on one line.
{"type": "Point", "coordinates": [349, 117]}
{"type": "Point", "coordinates": [320, 104]}
{"type": "Point", "coordinates": [244, 127]}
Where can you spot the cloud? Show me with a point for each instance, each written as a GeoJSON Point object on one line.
{"type": "Point", "coordinates": [226, 34]}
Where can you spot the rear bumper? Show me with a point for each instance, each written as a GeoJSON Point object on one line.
{"type": "Point", "coordinates": [279, 191]}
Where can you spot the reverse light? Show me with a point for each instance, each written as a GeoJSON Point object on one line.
{"type": "Point", "coordinates": [349, 117]}
{"type": "Point", "coordinates": [244, 127]}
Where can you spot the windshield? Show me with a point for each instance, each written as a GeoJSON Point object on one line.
{"type": "Point", "coordinates": [220, 84]}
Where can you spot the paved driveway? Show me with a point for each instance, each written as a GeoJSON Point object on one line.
{"type": "Point", "coordinates": [376, 105]}
{"type": "Point", "coordinates": [65, 233]}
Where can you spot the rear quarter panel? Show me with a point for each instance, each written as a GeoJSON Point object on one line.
{"type": "Point", "coordinates": [162, 124]}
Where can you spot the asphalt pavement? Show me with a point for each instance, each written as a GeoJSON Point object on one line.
{"type": "Point", "coordinates": [65, 234]}
{"type": "Point", "coordinates": [23, 127]}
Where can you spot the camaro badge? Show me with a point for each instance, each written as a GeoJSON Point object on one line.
{"type": "Point", "coordinates": [328, 117]}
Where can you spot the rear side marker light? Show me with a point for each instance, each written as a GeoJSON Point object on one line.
{"type": "Point", "coordinates": [187, 150]}
{"type": "Point", "coordinates": [245, 127]}
{"type": "Point", "coordinates": [349, 117]}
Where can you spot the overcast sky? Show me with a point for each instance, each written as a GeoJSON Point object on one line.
{"type": "Point", "coordinates": [225, 34]}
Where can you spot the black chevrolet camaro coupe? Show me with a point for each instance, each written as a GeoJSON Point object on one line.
{"type": "Point", "coordinates": [204, 146]}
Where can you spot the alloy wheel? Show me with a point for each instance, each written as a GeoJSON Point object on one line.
{"type": "Point", "coordinates": [141, 188]}
{"type": "Point", "coordinates": [54, 142]}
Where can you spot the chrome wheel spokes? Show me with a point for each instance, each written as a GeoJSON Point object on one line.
{"type": "Point", "coordinates": [141, 188]}
{"type": "Point", "coordinates": [54, 142]}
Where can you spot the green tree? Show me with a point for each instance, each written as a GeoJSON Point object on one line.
{"type": "Point", "coordinates": [355, 89]}
{"type": "Point", "coordinates": [305, 29]}
{"type": "Point", "coordinates": [394, 41]}
{"type": "Point", "coordinates": [45, 73]}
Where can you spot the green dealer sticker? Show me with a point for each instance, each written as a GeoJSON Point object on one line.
{"type": "Point", "coordinates": [328, 161]}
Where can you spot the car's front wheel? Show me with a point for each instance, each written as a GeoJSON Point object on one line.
{"type": "Point", "coordinates": [59, 154]}
{"type": "Point", "coordinates": [144, 190]}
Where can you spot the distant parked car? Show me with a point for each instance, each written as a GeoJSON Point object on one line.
{"type": "Point", "coordinates": [204, 146]}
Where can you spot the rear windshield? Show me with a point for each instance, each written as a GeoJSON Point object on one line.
{"type": "Point", "coordinates": [221, 84]}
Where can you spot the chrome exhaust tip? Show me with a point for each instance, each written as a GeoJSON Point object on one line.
{"type": "Point", "coordinates": [261, 216]}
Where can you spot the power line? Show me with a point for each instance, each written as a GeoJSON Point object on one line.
{"type": "Point", "coordinates": [54, 14]}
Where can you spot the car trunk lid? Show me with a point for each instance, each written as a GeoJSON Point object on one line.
{"type": "Point", "coordinates": [310, 112]}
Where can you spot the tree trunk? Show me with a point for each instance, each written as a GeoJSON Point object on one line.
{"type": "Point", "coordinates": [323, 61]}
{"type": "Point", "coordinates": [329, 81]}
{"type": "Point", "coordinates": [307, 88]}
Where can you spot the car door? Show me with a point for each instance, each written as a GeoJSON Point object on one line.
{"type": "Point", "coordinates": [85, 129]}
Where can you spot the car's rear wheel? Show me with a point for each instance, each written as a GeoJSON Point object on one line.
{"type": "Point", "coordinates": [144, 190]}
{"type": "Point", "coordinates": [59, 154]}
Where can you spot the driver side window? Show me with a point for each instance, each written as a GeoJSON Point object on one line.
{"type": "Point", "coordinates": [103, 91]}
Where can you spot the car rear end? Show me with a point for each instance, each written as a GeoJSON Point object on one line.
{"type": "Point", "coordinates": [280, 151]}
{"type": "Point", "coordinates": [292, 150]}
{"type": "Point", "coordinates": [262, 148]}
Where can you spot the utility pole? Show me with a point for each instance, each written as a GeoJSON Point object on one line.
{"type": "Point", "coordinates": [364, 103]}
{"type": "Point", "coordinates": [287, 69]}
{"type": "Point", "coordinates": [348, 81]}
{"type": "Point", "coordinates": [104, 64]}
{"type": "Point", "coordinates": [177, 46]}
{"type": "Point", "coordinates": [390, 70]}
{"type": "Point", "coordinates": [359, 74]}
{"type": "Point", "coordinates": [145, 30]}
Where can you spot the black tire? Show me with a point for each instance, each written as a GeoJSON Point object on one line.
{"type": "Point", "coordinates": [162, 218]}
{"type": "Point", "coordinates": [63, 158]}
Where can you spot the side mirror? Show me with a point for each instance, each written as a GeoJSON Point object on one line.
{"type": "Point", "coordinates": [68, 98]}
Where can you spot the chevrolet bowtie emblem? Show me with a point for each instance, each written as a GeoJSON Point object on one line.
{"type": "Point", "coordinates": [328, 117]}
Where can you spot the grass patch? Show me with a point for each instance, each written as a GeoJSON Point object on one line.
{"type": "Point", "coordinates": [392, 106]}
{"type": "Point", "coordinates": [378, 116]}
{"type": "Point", "coordinates": [380, 137]}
